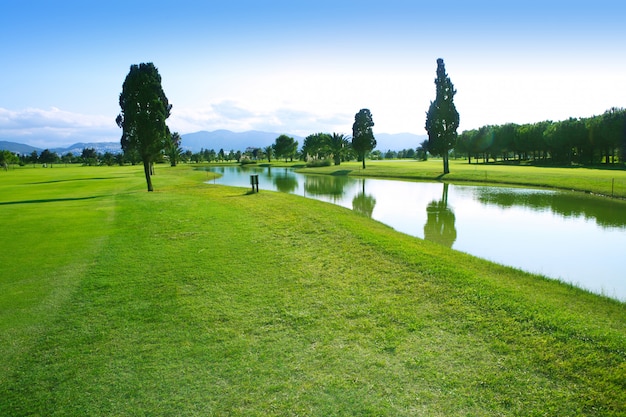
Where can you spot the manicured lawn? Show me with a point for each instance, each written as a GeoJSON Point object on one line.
{"type": "Point", "coordinates": [609, 182]}
{"type": "Point", "coordinates": [200, 299]}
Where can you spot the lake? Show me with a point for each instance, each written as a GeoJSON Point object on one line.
{"type": "Point", "coordinates": [574, 237]}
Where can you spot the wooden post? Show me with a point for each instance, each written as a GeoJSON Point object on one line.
{"type": "Point", "coordinates": [254, 181]}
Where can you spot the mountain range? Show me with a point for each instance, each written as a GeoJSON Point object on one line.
{"type": "Point", "coordinates": [220, 139]}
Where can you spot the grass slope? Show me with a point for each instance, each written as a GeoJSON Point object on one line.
{"type": "Point", "coordinates": [203, 300]}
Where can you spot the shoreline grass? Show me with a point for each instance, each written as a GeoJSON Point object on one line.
{"type": "Point", "coordinates": [200, 299]}
{"type": "Point", "coordinates": [604, 182]}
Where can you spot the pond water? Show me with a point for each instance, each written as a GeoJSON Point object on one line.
{"type": "Point", "coordinates": [574, 237]}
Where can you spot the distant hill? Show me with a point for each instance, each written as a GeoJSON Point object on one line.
{"type": "Point", "coordinates": [398, 141]}
{"type": "Point", "coordinates": [75, 149]}
{"type": "Point", "coordinates": [221, 139]}
{"type": "Point", "coordinates": [15, 147]}
{"type": "Point", "coordinates": [227, 140]}
{"type": "Point", "coordinates": [239, 141]}
{"type": "Point", "coordinates": [100, 147]}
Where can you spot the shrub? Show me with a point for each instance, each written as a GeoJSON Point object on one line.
{"type": "Point", "coordinates": [314, 163]}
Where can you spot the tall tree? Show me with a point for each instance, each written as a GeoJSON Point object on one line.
{"type": "Point", "coordinates": [144, 111]}
{"type": "Point", "coordinates": [442, 119]}
{"type": "Point", "coordinates": [363, 140]}
{"type": "Point", "coordinates": [34, 157]}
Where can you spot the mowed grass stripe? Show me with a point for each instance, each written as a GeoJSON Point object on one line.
{"type": "Point", "coordinates": [204, 300]}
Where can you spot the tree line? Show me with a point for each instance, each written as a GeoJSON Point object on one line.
{"type": "Point", "coordinates": [88, 156]}
{"type": "Point", "coordinates": [588, 141]}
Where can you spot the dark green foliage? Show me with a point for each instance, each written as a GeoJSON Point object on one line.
{"type": "Point", "coordinates": [285, 147]}
{"type": "Point", "coordinates": [442, 119]}
{"type": "Point", "coordinates": [144, 111]}
{"type": "Point", "coordinates": [363, 140]}
{"type": "Point", "coordinates": [589, 141]}
{"type": "Point", "coordinates": [339, 147]}
{"type": "Point", "coordinates": [89, 156]}
{"type": "Point", "coordinates": [48, 157]}
{"type": "Point", "coordinates": [269, 151]}
{"type": "Point", "coordinates": [316, 146]}
{"type": "Point", "coordinates": [173, 148]}
{"type": "Point", "coordinates": [7, 158]}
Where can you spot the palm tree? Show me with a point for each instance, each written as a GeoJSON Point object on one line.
{"type": "Point", "coordinates": [268, 152]}
{"type": "Point", "coordinates": [339, 144]}
{"type": "Point", "coordinates": [173, 148]}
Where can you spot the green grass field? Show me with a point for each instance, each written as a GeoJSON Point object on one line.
{"type": "Point", "coordinates": [199, 299]}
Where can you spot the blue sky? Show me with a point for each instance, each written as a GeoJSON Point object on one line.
{"type": "Point", "coordinates": [305, 66]}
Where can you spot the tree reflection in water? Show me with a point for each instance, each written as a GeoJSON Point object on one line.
{"type": "Point", "coordinates": [324, 185]}
{"type": "Point", "coordinates": [363, 203]}
{"type": "Point", "coordinates": [440, 221]}
{"type": "Point", "coordinates": [285, 182]}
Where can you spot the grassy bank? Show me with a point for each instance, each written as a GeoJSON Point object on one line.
{"type": "Point", "coordinates": [203, 300]}
{"type": "Point", "coordinates": [608, 182]}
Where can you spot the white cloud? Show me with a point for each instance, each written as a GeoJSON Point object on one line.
{"type": "Point", "coordinates": [55, 127]}
{"type": "Point", "coordinates": [231, 115]}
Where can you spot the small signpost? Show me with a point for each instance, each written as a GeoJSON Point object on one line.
{"type": "Point", "coordinates": [254, 181]}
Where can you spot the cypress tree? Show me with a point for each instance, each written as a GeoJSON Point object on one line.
{"type": "Point", "coordinates": [442, 119]}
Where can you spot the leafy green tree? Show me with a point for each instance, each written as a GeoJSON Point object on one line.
{"type": "Point", "coordinates": [269, 150]}
{"type": "Point", "coordinates": [144, 111]}
{"type": "Point", "coordinates": [442, 119]}
{"type": "Point", "coordinates": [363, 140]}
{"type": "Point", "coordinates": [338, 146]}
{"type": "Point", "coordinates": [7, 158]}
{"type": "Point", "coordinates": [68, 158]}
{"type": "Point", "coordinates": [285, 147]}
{"type": "Point", "coordinates": [316, 146]}
{"type": "Point", "coordinates": [421, 152]}
{"type": "Point", "coordinates": [613, 131]}
{"type": "Point", "coordinates": [173, 149]}
{"type": "Point", "coordinates": [89, 156]}
{"type": "Point", "coordinates": [34, 157]}
{"type": "Point", "coordinates": [108, 159]}
{"type": "Point", "coordinates": [48, 157]}
{"type": "Point", "coordinates": [558, 143]}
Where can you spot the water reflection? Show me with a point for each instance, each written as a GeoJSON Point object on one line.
{"type": "Point", "coordinates": [601, 210]}
{"type": "Point", "coordinates": [570, 236]}
{"type": "Point", "coordinates": [325, 185]}
{"type": "Point", "coordinates": [440, 221]}
{"type": "Point", "coordinates": [363, 203]}
{"type": "Point", "coordinates": [284, 183]}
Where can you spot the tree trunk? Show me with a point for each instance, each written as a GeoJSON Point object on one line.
{"type": "Point", "coordinates": [146, 170]}
{"type": "Point", "coordinates": [363, 161]}
{"type": "Point", "coordinates": [446, 166]}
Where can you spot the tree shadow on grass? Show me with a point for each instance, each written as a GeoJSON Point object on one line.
{"type": "Point", "coordinates": [76, 179]}
{"type": "Point", "coordinates": [341, 172]}
{"type": "Point", "coordinates": [49, 200]}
